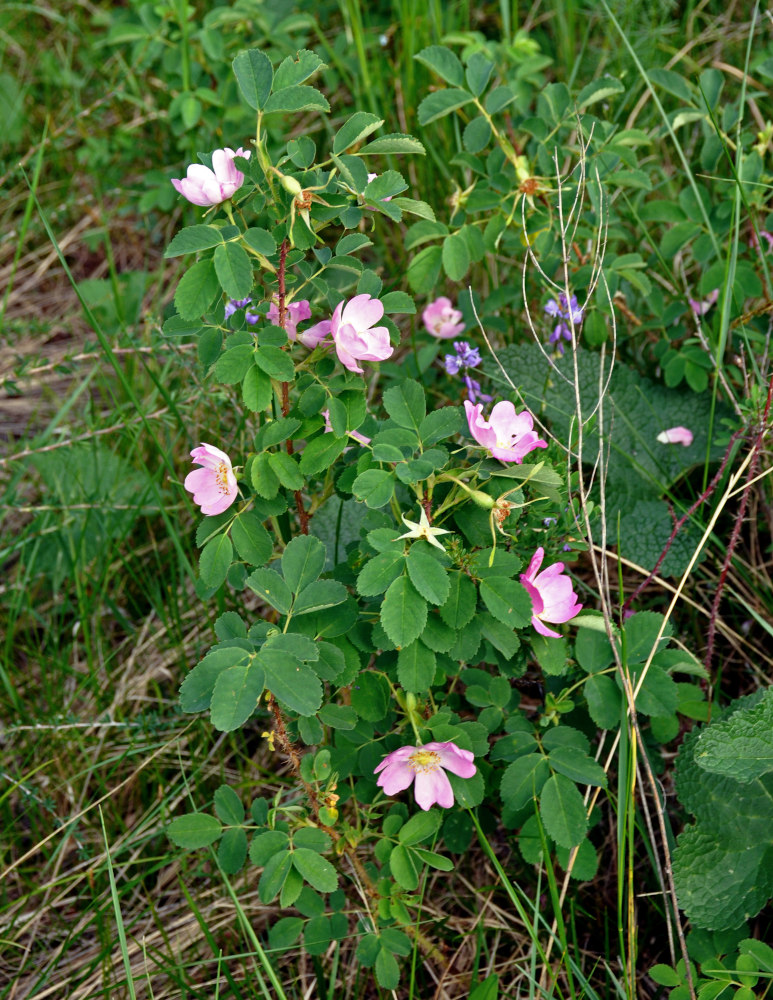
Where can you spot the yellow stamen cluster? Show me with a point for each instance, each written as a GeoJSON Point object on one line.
{"type": "Point", "coordinates": [221, 475]}
{"type": "Point", "coordinates": [424, 760]}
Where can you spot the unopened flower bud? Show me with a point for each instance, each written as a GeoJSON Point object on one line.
{"type": "Point", "coordinates": [482, 499]}
{"type": "Point", "coordinates": [291, 185]}
{"type": "Point", "coordinates": [410, 701]}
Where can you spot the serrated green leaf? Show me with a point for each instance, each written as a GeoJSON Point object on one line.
{"type": "Point", "coordinates": [375, 487]}
{"type": "Point", "coordinates": [478, 73]}
{"type": "Point", "coordinates": [261, 241]}
{"type": "Point", "coordinates": [405, 404]}
{"type": "Point", "coordinates": [194, 830]}
{"type": "Point", "coordinates": [440, 424]}
{"type": "Point", "coordinates": [404, 868]}
{"type": "Point", "coordinates": [394, 142]}
{"type": "Point", "coordinates": [379, 571]}
{"type": "Point", "coordinates": [192, 239]}
{"type": "Point", "coordinates": [232, 366]}
{"type": "Point", "coordinates": [318, 596]}
{"type": "Point", "coordinates": [254, 74]}
{"type": "Point", "coordinates": [274, 875]}
{"type": "Point", "coordinates": [476, 136]}
{"type": "Point", "coordinates": [197, 290]}
{"type": "Point", "coordinates": [197, 687]}
{"type": "Point", "coordinates": [302, 561]}
{"type": "Point", "coordinates": [291, 682]}
{"type": "Point", "coordinates": [354, 130]}
{"type": "Point", "coordinates": [421, 826]}
{"type": "Point", "coordinates": [403, 612]}
{"type": "Point", "coordinates": [295, 69]}
{"type": "Point", "coordinates": [269, 585]}
{"type": "Point", "coordinates": [562, 811]}
{"type": "Point", "coordinates": [443, 62]}
{"type": "Point", "coordinates": [286, 470]}
{"type": "Point", "coordinates": [523, 780]}
{"type": "Point", "coordinates": [459, 607]}
{"type": "Point", "coordinates": [427, 574]}
{"type": "Point", "coordinates": [232, 851]}
{"type": "Point", "coordinates": [578, 766]}
{"type": "Point", "coordinates": [599, 90]}
{"type": "Point", "coordinates": [741, 746]}
{"type": "Point", "coordinates": [320, 453]}
{"type": "Point", "coordinates": [440, 103]}
{"type": "Point", "coordinates": [398, 302]}
{"type": "Point", "coordinates": [424, 270]}
{"type": "Point", "coordinates": [235, 696]}
{"type": "Point", "coordinates": [251, 540]}
{"type": "Point", "coordinates": [296, 98]}
{"type": "Point", "coordinates": [228, 806]}
{"type": "Point", "coordinates": [455, 256]}
{"type": "Point", "coordinates": [275, 362]}
{"type": "Point", "coordinates": [234, 270]}
{"type": "Point", "coordinates": [315, 869]}
{"type": "Point", "coordinates": [416, 667]}
{"type": "Point", "coordinates": [604, 700]}
{"type": "Point", "coordinates": [256, 389]}
{"type": "Point", "coordinates": [387, 970]}
{"type": "Point", "coordinates": [215, 560]}
{"type": "Point", "coordinates": [507, 600]}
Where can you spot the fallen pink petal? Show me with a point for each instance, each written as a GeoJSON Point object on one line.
{"type": "Point", "coordinates": [508, 435]}
{"type": "Point", "coordinates": [552, 596]}
{"type": "Point", "coordinates": [425, 767]}
{"type": "Point", "coordinates": [676, 435]}
{"type": "Point", "coordinates": [213, 486]}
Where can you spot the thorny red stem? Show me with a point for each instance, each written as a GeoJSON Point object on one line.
{"type": "Point", "coordinates": [736, 533]}
{"type": "Point", "coordinates": [303, 516]}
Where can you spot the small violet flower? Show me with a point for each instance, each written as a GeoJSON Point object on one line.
{"type": "Point", "coordinates": [565, 310]}
{"type": "Point", "coordinates": [426, 766]}
{"type": "Point", "coordinates": [676, 435]}
{"type": "Point", "coordinates": [701, 306]}
{"type": "Point", "coordinates": [233, 304]}
{"type": "Point", "coordinates": [441, 319]}
{"type": "Point", "coordinates": [466, 357]}
{"type": "Point", "coordinates": [213, 486]}
{"type": "Point", "coordinates": [206, 187]}
{"type": "Point", "coordinates": [354, 335]}
{"type": "Point", "coordinates": [508, 435]}
{"type": "Point", "coordinates": [552, 597]}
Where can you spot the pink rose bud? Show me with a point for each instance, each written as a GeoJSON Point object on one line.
{"type": "Point", "coordinates": [213, 486]}
{"type": "Point", "coordinates": [355, 336]}
{"type": "Point", "coordinates": [206, 187]}
{"type": "Point", "coordinates": [552, 597]}
{"type": "Point", "coordinates": [425, 766]}
{"type": "Point", "coordinates": [441, 319]}
{"type": "Point", "coordinates": [507, 435]}
{"type": "Point", "coordinates": [676, 435]}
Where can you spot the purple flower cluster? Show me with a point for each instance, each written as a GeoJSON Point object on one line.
{"type": "Point", "coordinates": [464, 358]}
{"type": "Point", "coordinates": [566, 310]}
{"type": "Point", "coordinates": [233, 304]}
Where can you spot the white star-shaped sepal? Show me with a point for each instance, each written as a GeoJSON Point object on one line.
{"type": "Point", "coordinates": [423, 529]}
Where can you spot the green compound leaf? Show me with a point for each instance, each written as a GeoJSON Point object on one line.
{"type": "Point", "coordinates": [198, 289]}
{"type": "Point", "coordinates": [403, 613]}
{"type": "Point", "coordinates": [274, 875]}
{"type": "Point", "coordinates": [563, 811]}
{"type": "Point", "coordinates": [578, 766]}
{"type": "Point", "coordinates": [296, 98]}
{"type": "Point", "coordinates": [354, 130]}
{"type": "Point", "coordinates": [321, 453]}
{"type": "Point", "coordinates": [196, 690]}
{"type": "Point", "coordinates": [254, 74]}
{"type": "Point", "coordinates": [234, 270]}
{"type": "Point", "coordinates": [416, 667]}
{"type": "Point", "coordinates": [291, 682]}
{"type": "Point", "coordinates": [317, 871]}
{"type": "Point", "coordinates": [302, 561]}
{"type": "Point", "coordinates": [387, 969]}
{"type": "Point", "coordinates": [215, 560]}
{"type": "Point", "coordinates": [742, 746]}
{"type": "Point", "coordinates": [405, 871]}
{"type": "Point", "coordinates": [375, 487]}
{"type": "Point", "coordinates": [394, 142]}
{"type": "Point", "coordinates": [455, 256]}
{"type": "Point", "coordinates": [440, 424]}
{"type": "Point", "coordinates": [523, 780]}
{"type": "Point", "coordinates": [424, 270]}
{"type": "Point", "coordinates": [604, 700]}
{"type": "Point", "coordinates": [420, 827]}
{"type": "Point", "coordinates": [319, 595]}
{"type": "Point", "coordinates": [194, 830]}
{"type": "Point", "coordinates": [427, 573]}
{"type": "Point", "coordinates": [235, 696]}
{"type": "Point", "coordinates": [286, 470]}
{"type": "Point", "coordinates": [251, 540]}
{"type": "Point", "coordinates": [723, 863]}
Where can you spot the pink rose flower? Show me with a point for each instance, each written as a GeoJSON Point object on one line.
{"type": "Point", "coordinates": [355, 336]}
{"type": "Point", "coordinates": [295, 313]}
{"type": "Point", "coordinates": [676, 435]}
{"type": "Point", "coordinates": [213, 486]}
{"type": "Point", "coordinates": [441, 319]}
{"type": "Point", "coordinates": [424, 765]}
{"type": "Point", "coordinates": [507, 435]}
{"type": "Point", "coordinates": [552, 597]}
{"type": "Point", "coordinates": [206, 187]}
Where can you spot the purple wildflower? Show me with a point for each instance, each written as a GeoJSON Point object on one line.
{"type": "Point", "coordinates": [565, 310]}
{"type": "Point", "coordinates": [464, 358]}
{"type": "Point", "coordinates": [233, 304]}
